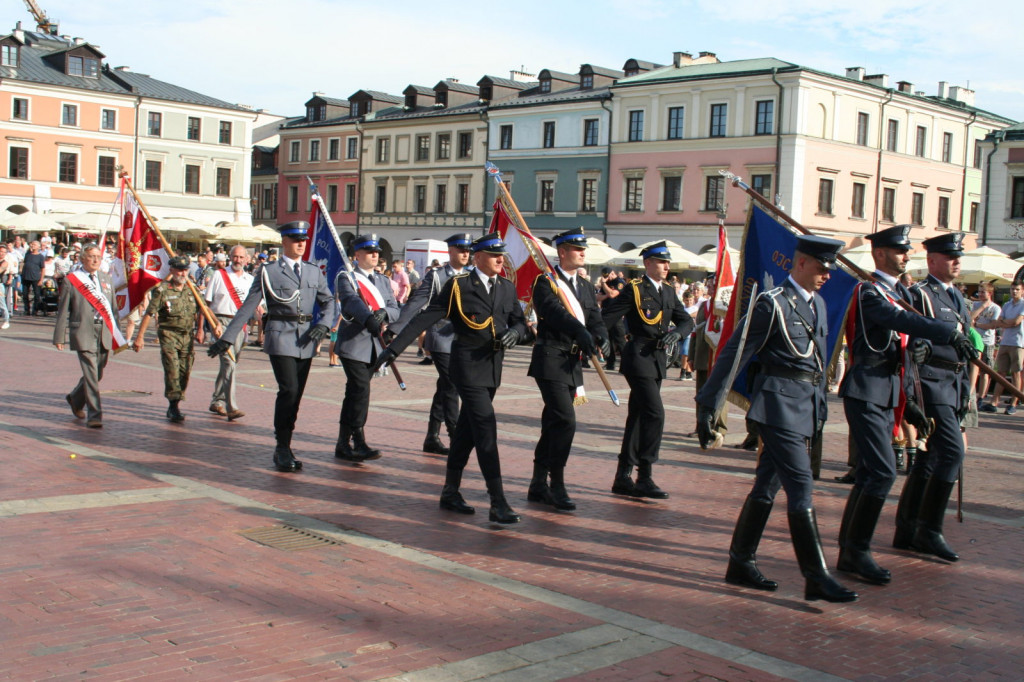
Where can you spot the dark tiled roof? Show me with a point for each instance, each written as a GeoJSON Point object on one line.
{"type": "Point", "coordinates": [537, 99]}
{"type": "Point", "coordinates": [602, 71]}
{"type": "Point", "coordinates": [379, 96]}
{"type": "Point", "coordinates": [509, 83]}
{"type": "Point", "coordinates": [558, 75]}
{"type": "Point", "coordinates": [460, 87]}
{"type": "Point", "coordinates": [301, 122]}
{"type": "Point", "coordinates": [429, 112]}
{"type": "Point", "coordinates": [420, 90]}
{"type": "Point", "coordinates": [151, 87]}
{"type": "Point", "coordinates": [331, 101]}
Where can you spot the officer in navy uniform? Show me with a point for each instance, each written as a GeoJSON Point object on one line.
{"type": "Point", "coordinates": [291, 289]}
{"type": "Point", "coordinates": [444, 407]}
{"type": "Point", "coordinates": [945, 384]}
{"type": "Point", "coordinates": [871, 392]}
{"type": "Point", "coordinates": [651, 307]}
{"type": "Point", "coordinates": [488, 320]}
{"type": "Point", "coordinates": [360, 342]}
{"type": "Point", "coordinates": [787, 331]}
{"type": "Point", "coordinates": [564, 337]}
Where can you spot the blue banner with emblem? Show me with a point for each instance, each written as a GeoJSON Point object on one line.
{"type": "Point", "coordinates": [322, 250]}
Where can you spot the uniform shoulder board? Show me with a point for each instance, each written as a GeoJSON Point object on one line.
{"type": "Point", "coordinates": [507, 279]}
{"type": "Point", "coordinates": [771, 293]}
{"type": "Point", "coordinates": [461, 275]}
{"type": "Point", "coordinates": [918, 285]}
{"type": "Point", "coordinates": [638, 280]}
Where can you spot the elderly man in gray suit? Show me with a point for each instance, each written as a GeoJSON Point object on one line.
{"type": "Point", "coordinates": [291, 289]}
{"type": "Point", "coordinates": [88, 311]}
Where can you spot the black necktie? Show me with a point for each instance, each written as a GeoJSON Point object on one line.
{"type": "Point", "coordinates": [574, 283]}
{"type": "Point", "coordinates": [298, 270]}
{"type": "Point", "coordinates": [814, 313]}
{"type": "Point", "coordinates": [493, 283]}
{"type": "Point", "coordinates": [95, 282]}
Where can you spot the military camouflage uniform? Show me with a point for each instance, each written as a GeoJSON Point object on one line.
{"type": "Point", "coordinates": [175, 311]}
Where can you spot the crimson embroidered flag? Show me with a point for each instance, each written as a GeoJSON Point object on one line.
{"type": "Point", "coordinates": [142, 262]}
{"type": "Point", "coordinates": [522, 252]}
{"type": "Point", "coordinates": [719, 324]}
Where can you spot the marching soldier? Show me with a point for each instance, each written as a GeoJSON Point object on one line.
{"type": "Point", "coordinates": [174, 305]}
{"type": "Point", "coordinates": [650, 307]}
{"type": "Point", "coordinates": [224, 291]}
{"type": "Point", "coordinates": [946, 389]}
{"type": "Point", "coordinates": [291, 288]}
{"type": "Point", "coordinates": [787, 331]}
{"type": "Point", "coordinates": [367, 304]}
{"type": "Point", "coordinates": [444, 407]}
{"type": "Point", "coordinates": [876, 334]}
{"type": "Point", "coordinates": [564, 337]}
{"type": "Point", "coordinates": [487, 320]}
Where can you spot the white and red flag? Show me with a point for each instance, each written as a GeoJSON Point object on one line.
{"type": "Point", "coordinates": [522, 253]}
{"type": "Point", "coordinates": [719, 323]}
{"type": "Point", "coordinates": [142, 262]}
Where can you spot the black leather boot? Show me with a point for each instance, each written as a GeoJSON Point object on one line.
{"type": "Point", "coordinates": [173, 413]}
{"type": "Point", "coordinates": [745, 539]}
{"type": "Point", "coordinates": [451, 498]}
{"type": "Point", "coordinates": [539, 490]}
{"type": "Point", "coordinates": [432, 443]}
{"type": "Point", "coordinates": [284, 458]}
{"type": "Point", "coordinates": [559, 495]}
{"type": "Point", "coordinates": [645, 485]}
{"type": "Point", "coordinates": [819, 583]}
{"type": "Point", "coordinates": [908, 508]}
{"type": "Point", "coordinates": [359, 446]}
{"type": "Point", "coordinates": [844, 525]}
{"type": "Point", "coordinates": [928, 538]}
{"type": "Point", "coordinates": [911, 456]}
{"type": "Point", "coordinates": [900, 448]}
{"type": "Point", "coordinates": [500, 511]}
{"type": "Point", "coordinates": [343, 448]}
{"type": "Point", "coordinates": [855, 545]}
{"type": "Point", "coordinates": [623, 483]}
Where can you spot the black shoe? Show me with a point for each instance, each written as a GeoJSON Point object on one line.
{"type": "Point", "coordinates": [343, 448]}
{"type": "Point", "coordinates": [623, 485]}
{"type": "Point", "coordinates": [746, 574]}
{"type": "Point", "coordinates": [749, 443]}
{"type": "Point", "coordinates": [928, 538]}
{"type": "Point", "coordinates": [79, 413]}
{"type": "Point", "coordinates": [847, 478]}
{"type": "Point", "coordinates": [284, 460]}
{"type": "Point", "coordinates": [540, 493]}
{"type": "Point", "coordinates": [646, 487]}
{"type": "Point", "coordinates": [433, 445]}
{"type": "Point", "coordinates": [425, 361]}
{"type": "Point", "coordinates": [174, 414]}
{"type": "Point", "coordinates": [500, 512]}
{"type": "Point", "coordinates": [451, 500]}
{"type": "Point", "coordinates": [560, 499]}
{"type": "Point", "coordinates": [360, 448]}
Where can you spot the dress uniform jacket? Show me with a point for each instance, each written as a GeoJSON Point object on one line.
{"type": "Point", "coordinates": [944, 378]}
{"type": "Point", "coordinates": [288, 321]}
{"type": "Point", "coordinates": [354, 341]}
{"type": "Point", "coordinates": [440, 335]}
{"type": "Point", "coordinates": [642, 304]}
{"type": "Point", "coordinates": [75, 317]}
{"type": "Point", "coordinates": [553, 358]}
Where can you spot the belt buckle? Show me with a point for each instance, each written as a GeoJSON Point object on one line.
{"type": "Point", "coordinates": [816, 378]}
{"type": "Point", "coordinates": [497, 344]}
{"type": "Point", "coordinates": [574, 349]}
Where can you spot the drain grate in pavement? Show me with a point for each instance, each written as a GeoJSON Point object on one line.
{"type": "Point", "coordinates": [286, 538]}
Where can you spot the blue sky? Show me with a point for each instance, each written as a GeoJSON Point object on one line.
{"type": "Point", "coordinates": [274, 54]}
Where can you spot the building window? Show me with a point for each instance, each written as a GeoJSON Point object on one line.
{"type": "Point", "coordinates": [857, 206]}
{"type": "Point", "coordinates": [862, 129]}
{"type": "Point", "coordinates": [977, 153]}
{"type": "Point", "coordinates": [420, 199]}
{"type": "Point", "coordinates": [590, 129]}
{"type": "Point", "coordinates": [293, 199]}
{"type": "Point", "coordinates": [19, 109]}
{"type": "Point", "coordinates": [1017, 198]}
{"type": "Point", "coordinates": [944, 213]}
{"type": "Point", "coordinates": [762, 184]}
{"type": "Point", "coordinates": [19, 163]}
{"type": "Point", "coordinates": [350, 197]}
{"type": "Point", "coordinates": [441, 199]}
{"type": "Point", "coordinates": [69, 115]}
{"type": "Point", "coordinates": [947, 147]}
{"type": "Point", "coordinates": [889, 204]}
{"type": "Point", "coordinates": [973, 225]}
{"type": "Point", "coordinates": [382, 199]}
{"type": "Point", "coordinates": [106, 171]}
{"type": "Point", "coordinates": [634, 194]}
{"type": "Point", "coordinates": [920, 141]}
{"type": "Point", "coordinates": [192, 130]}
{"type": "Point", "coordinates": [549, 134]}
{"type": "Point", "coordinates": [545, 85]}
{"type": "Point", "coordinates": [465, 145]}
{"type": "Point", "coordinates": [332, 198]}
{"type": "Point", "coordinates": [547, 196]}
{"type": "Point", "coordinates": [764, 123]}
{"type": "Point", "coordinates": [314, 150]}
{"type": "Point", "coordinates": [9, 55]}
{"type": "Point", "coordinates": [223, 182]}
{"type": "Point", "coordinates": [505, 137]}
{"type": "Point", "coordinates": [83, 66]}
{"type": "Point", "coordinates": [671, 193]}
{"type": "Point", "coordinates": [463, 196]}
{"type": "Point", "coordinates": [675, 122]}
{"type": "Point", "coordinates": [588, 196]}
{"type": "Point", "coordinates": [154, 169]}
{"type": "Point", "coordinates": [444, 146]}
{"type": "Point", "coordinates": [295, 150]}
{"type": "Point", "coordinates": [719, 114]}
{"type": "Point", "coordinates": [383, 149]}
{"type": "Point", "coordinates": [714, 193]}
{"type": "Point", "coordinates": [917, 209]}
{"type": "Point", "coordinates": [155, 123]}
{"type": "Point", "coordinates": [892, 138]}
{"type": "Point", "coordinates": [225, 132]}
{"type": "Point", "coordinates": [825, 196]}
{"type": "Point", "coordinates": [636, 126]}
{"type": "Point", "coordinates": [587, 82]}
{"type": "Point", "coordinates": [191, 179]}
{"type": "Point", "coordinates": [316, 112]}
{"type": "Point", "coordinates": [352, 147]}
{"type": "Point", "coordinates": [423, 148]}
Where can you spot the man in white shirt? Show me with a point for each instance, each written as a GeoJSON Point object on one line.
{"type": "Point", "coordinates": [984, 313]}
{"type": "Point", "coordinates": [225, 290]}
{"type": "Point", "coordinates": [1010, 358]}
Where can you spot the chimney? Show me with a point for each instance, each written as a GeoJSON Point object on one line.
{"type": "Point", "coordinates": [879, 79]}
{"type": "Point", "coordinates": [79, 41]}
{"type": "Point", "coordinates": [452, 80]}
{"type": "Point", "coordinates": [19, 33]}
{"type": "Point", "coordinates": [961, 94]}
{"type": "Point", "coordinates": [905, 86]}
{"type": "Point", "coordinates": [943, 89]}
{"type": "Point", "coordinates": [124, 69]}
{"type": "Point", "coordinates": [855, 72]}
{"type": "Point", "coordinates": [706, 58]}
{"type": "Point", "coordinates": [521, 76]}
{"type": "Point", "coordinates": [681, 59]}
{"type": "Point", "coordinates": [317, 93]}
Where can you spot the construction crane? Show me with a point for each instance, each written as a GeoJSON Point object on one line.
{"type": "Point", "coordinates": [43, 23]}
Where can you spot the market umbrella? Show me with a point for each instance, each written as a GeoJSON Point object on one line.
{"type": "Point", "coordinates": [33, 222]}
{"type": "Point", "coordinates": [711, 256]}
{"type": "Point", "coordinates": [599, 253]}
{"type": "Point", "coordinates": [681, 258]}
{"type": "Point", "coordinates": [92, 222]}
{"type": "Point", "coordinates": [240, 233]}
{"type": "Point", "coordinates": [985, 264]}
{"type": "Point", "coordinates": [183, 227]}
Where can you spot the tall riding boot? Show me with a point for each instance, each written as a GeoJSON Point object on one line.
{"type": "Point", "coordinates": [173, 413]}
{"type": "Point", "coordinates": [899, 446]}
{"type": "Point", "coordinates": [745, 539]}
{"type": "Point", "coordinates": [359, 446]}
{"type": "Point", "coordinates": [855, 545]}
{"type": "Point", "coordinates": [500, 511]}
{"type": "Point", "coordinates": [623, 483]}
{"type": "Point", "coordinates": [559, 495]}
{"type": "Point", "coordinates": [432, 443]}
{"type": "Point", "coordinates": [451, 498]}
{"type": "Point", "coordinates": [844, 525]}
{"type": "Point", "coordinates": [284, 459]}
{"type": "Point", "coordinates": [907, 510]}
{"type": "Point", "coordinates": [645, 485]}
{"type": "Point", "coordinates": [928, 538]}
{"type": "Point", "coordinates": [817, 445]}
{"type": "Point", "coordinates": [539, 490]}
{"type": "Point", "coordinates": [819, 583]}
{"type": "Point", "coordinates": [343, 448]}
{"type": "Point", "coordinates": [911, 456]}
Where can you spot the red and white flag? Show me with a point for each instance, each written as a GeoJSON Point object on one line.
{"type": "Point", "coordinates": [141, 262]}
{"type": "Point", "coordinates": [719, 322]}
{"type": "Point", "coordinates": [522, 252]}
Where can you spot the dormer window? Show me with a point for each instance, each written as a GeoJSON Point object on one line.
{"type": "Point", "coordinates": [9, 55]}
{"type": "Point", "coordinates": [486, 93]}
{"type": "Point", "coordinates": [441, 98]}
{"type": "Point", "coordinates": [587, 82]}
{"type": "Point", "coordinates": [316, 112]}
{"type": "Point", "coordinates": [632, 72]}
{"type": "Point", "coordinates": [410, 100]}
{"type": "Point", "coordinates": [86, 67]}
{"type": "Point", "coordinates": [545, 85]}
{"type": "Point", "coordinates": [361, 108]}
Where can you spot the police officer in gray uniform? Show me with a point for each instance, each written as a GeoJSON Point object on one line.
{"type": "Point", "coordinates": [367, 303]}
{"type": "Point", "coordinates": [871, 392]}
{"type": "Point", "coordinates": [945, 384]}
{"type": "Point", "coordinates": [444, 407]}
{"type": "Point", "coordinates": [787, 331]}
{"type": "Point", "coordinates": [291, 289]}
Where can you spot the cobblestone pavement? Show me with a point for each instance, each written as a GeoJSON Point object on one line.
{"type": "Point", "coordinates": [127, 550]}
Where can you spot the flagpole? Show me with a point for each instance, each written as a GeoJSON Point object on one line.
{"type": "Point", "coordinates": [737, 181]}
{"type": "Point", "coordinates": [200, 301]}
{"type": "Point", "coordinates": [348, 267]}
{"type": "Point", "coordinates": [540, 260]}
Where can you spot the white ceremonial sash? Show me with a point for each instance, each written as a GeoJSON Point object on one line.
{"type": "Point", "coordinates": [574, 307]}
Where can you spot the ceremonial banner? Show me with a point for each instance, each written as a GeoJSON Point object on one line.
{"type": "Point", "coordinates": [322, 249]}
{"type": "Point", "coordinates": [141, 262]}
{"type": "Point", "coordinates": [718, 321]}
{"type": "Point", "coordinates": [520, 264]}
